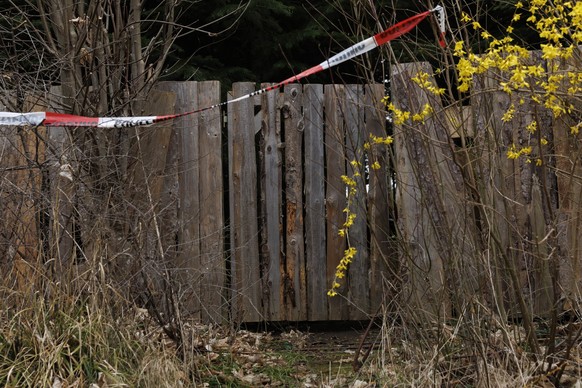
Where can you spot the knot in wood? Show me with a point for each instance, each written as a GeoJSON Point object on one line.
{"type": "Point", "coordinates": [286, 110]}
{"type": "Point", "coordinates": [294, 92]}
{"type": "Point", "coordinates": [300, 126]}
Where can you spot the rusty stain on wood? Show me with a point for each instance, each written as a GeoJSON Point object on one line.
{"type": "Point", "coordinates": [294, 249]}
{"type": "Point", "coordinates": [271, 194]}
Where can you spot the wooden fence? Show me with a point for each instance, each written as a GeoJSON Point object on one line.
{"type": "Point", "coordinates": [240, 210]}
{"type": "Point", "coordinates": [483, 230]}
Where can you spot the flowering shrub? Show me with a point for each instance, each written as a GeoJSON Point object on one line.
{"type": "Point", "coordinates": [559, 24]}
{"type": "Point", "coordinates": [552, 85]}
{"type": "Point", "coordinates": [351, 184]}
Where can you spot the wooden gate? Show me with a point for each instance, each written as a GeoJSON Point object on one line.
{"type": "Point", "coordinates": [286, 155]}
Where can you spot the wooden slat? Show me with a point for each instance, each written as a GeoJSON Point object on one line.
{"type": "Point", "coordinates": [358, 281]}
{"type": "Point", "coordinates": [59, 208]}
{"type": "Point", "coordinates": [541, 273]}
{"type": "Point", "coordinates": [383, 258]}
{"type": "Point", "coordinates": [295, 289]}
{"type": "Point", "coordinates": [485, 164]}
{"type": "Point", "coordinates": [568, 150]}
{"type": "Point", "coordinates": [187, 264]}
{"type": "Point", "coordinates": [420, 197]}
{"type": "Point", "coordinates": [246, 285]}
{"type": "Point", "coordinates": [170, 200]}
{"type": "Point", "coordinates": [153, 146]}
{"type": "Point", "coordinates": [335, 193]}
{"type": "Point", "coordinates": [315, 238]}
{"type": "Point", "coordinates": [272, 205]}
{"type": "Point", "coordinates": [61, 191]}
{"type": "Point", "coordinates": [507, 194]}
{"type": "Point", "coordinates": [213, 269]}
{"type": "Point", "coordinates": [537, 191]}
{"type": "Point", "coordinates": [144, 192]}
{"type": "Point", "coordinates": [22, 153]}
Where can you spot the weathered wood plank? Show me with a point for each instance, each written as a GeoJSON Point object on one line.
{"type": "Point", "coordinates": [383, 256]}
{"type": "Point", "coordinates": [568, 151]}
{"type": "Point", "coordinates": [420, 197]}
{"type": "Point", "coordinates": [245, 266]}
{"type": "Point", "coordinates": [508, 192]}
{"type": "Point", "coordinates": [22, 153]}
{"type": "Point", "coordinates": [486, 165]}
{"type": "Point", "coordinates": [152, 147]}
{"type": "Point", "coordinates": [56, 202]}
{"type": "Point", "coordinates": [187, 264]}
{"type": "Point", "coordinates": [272, 189]}
{"type": "Point", "coordinates": [212, 261]}
{"type": "Point", "coordinates": [315, 238]}
{"type": "Point", "coordinates": [335, 161]}
{"type": "Point", "coordinates": [61, 173]}
{"type": "Point", "coordinates": [358, 280]}
{"type": "Point", "coordinates": [144, 192]}
{"type": "Point", "coordinates": [541, 273]}
{"type": "Point", "coordinates": [169, 199]}
{"type": "Point", "coordinates": [536, 189]}
{"type": "Point", "coordinates": [295, 290]}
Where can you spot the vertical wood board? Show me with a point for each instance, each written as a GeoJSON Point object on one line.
{"type": "Point", "coordinates": [568, 152]}
{"type": "Point", "coordinates": [295, 290]}
{"type": "Point", "coordinates": [418, 198]}
{"type": "Point", "coordinates": [272, 187]}
{"type": "Point", "coordinates": [245, 265]}
{"type": "Point", "coordinates": [335, 161]}
{"type": "Point", "coordinates": [212, 261]}
{"type": "Point", "coordinates": [187, 262]}
{"type": "Point", "coordinates": [315, 238]}
{"type": "Point", "coordinates": [383, 259]}
{"type": "Point", "coordinates": [358, 281]}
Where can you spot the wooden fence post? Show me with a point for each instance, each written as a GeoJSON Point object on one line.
{"type": "Point", "coordinates": [22, 153]}
{"type": "Point", "coordinates": [144, 190]}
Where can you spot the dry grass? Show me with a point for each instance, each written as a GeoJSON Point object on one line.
{"type": "Point", "coordinates": [94, 340]}
{"type": "Point", "coordinates": [457, 354]}
{"type": "Point", "coordinates": [66, 341]}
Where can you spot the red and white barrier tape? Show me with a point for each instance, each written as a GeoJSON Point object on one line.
{"type": "Point", "coordinates": [51, 119]}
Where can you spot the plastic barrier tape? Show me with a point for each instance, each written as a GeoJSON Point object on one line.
{"type": "Point", "coordinates": [51, 119]}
